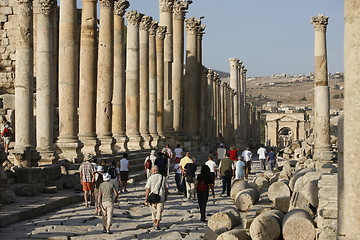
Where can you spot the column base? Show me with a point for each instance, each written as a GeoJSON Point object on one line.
{"type": "Point", "coordinates": [47, 157]}
{"type": "Point", "coordinates": [135, 142]}
{"type": "Point", "coordinates": [68, 149]}
{"type": "Point", "coordinates": [23, 156]}
{"type": "Point", "coordinates": [88, 145]}
{"type": "Point", "coordinates": [120, 143]}
{"type": "Point", "coordinates": [146, 141]}
{"type": "Point", "coordinates": [323, 155]}
{"type": "Point", "coordinates": [107, 145]}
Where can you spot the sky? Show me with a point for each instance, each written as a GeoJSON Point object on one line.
{"type": "Point", "coordinates": [268, 36]}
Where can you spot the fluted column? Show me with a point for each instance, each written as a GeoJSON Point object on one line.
{"type": "Point", "coordinates": [88, 78]}
{"type": "Point", "coordinates": [105, 77]}
{"type": "Point", "coordinates": [24, 77]}
{"type": "Point", "coordinates": [45, 82]}
{"type": "Point", "coordinates": [153, 85]}
{"type": "Point", "coordinates": [160, 36]}
{"type": "Point", "coordinates": [234, 80]}
{"type": "Point", "coordinates": [242, 143]}
{"type": "Point", "coordinates": [144, 80]}
{"type": "Point", "coordinates": [222, 110]}
{"type": "Point", "coordinates": [322, 146]}
{"type": "Point", "coordinates": [349, 212]}
{"type": "Point", "coordinates": [192, 83]}
{"type": "Point", "coordinates": [133, 80]}
{"type": "Point", "coordinates": [118, 102]}
{"type": "Point", "coordinates": [67, 143]}
{"type": "Point", "coordinates": [211, 102]}
{"type": "Point", "coordinates": [218, 107]}
{"type": "Point", "coordinates": [202, 79]}
{"type": "Point", "coordinates": [166, 9]}
{"type": "Point", "coordinates": [179, 10]}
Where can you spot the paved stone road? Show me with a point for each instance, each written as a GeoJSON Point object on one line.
{"type": "Point", "coordinates": [132, 220]}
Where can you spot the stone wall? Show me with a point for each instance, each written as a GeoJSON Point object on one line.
{"type": "Point", "coordinates": [7, 46]}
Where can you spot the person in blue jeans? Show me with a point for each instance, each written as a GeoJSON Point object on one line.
{"type": "Point", "coordinates": [271, 158]}
{"type": "Point", "coordinates": [202, 186]}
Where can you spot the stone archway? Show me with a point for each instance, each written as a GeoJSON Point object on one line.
{"type": "Point", "coordinates": [285, 136]}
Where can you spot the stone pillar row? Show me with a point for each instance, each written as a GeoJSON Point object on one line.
{"type": "Point", "coordinates": [108, 103]}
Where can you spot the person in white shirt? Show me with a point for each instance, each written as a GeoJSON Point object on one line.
{"type": "Point", "coordinates": [213, 167]}
{"type": "Point", "coordinates": [147, 167]}
{"type": "Point", "coordinates": [178, 153]}
{"type": "Point", "coordinates": [170, 156]}
{"type": "Point", "coordinates": [220, 152]}
{"type": "Point", "coordinates": [262, 156]}
{"type": "Point", "coordinates": [124, 172]}
{"type": "Point", "coordinates": [247, 156]}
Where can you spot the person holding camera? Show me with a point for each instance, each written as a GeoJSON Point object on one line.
{"type": "Point", "coordinates": [156, 194]}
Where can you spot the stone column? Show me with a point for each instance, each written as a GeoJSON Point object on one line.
{"type": "Point", "coordinates": [179, 10]}
{"type": "Point", "coordinates": [118, 102]}
{"type": "Point", "coordinates": [67, 143]}
{"type": "Point", "coordinates": [202, 78]}
{"type": "Point", "coordinates": [191, 83]}
{"type": "Point", "coordinates": [243, 111]}
{"type": "Point", "coordinates": [349, 219]}
{"type": "Point", "coordinates": [153, 85]}
{"type": "Point", "coordinates": [322, 146]}
{"type": "Point", "coordinates": [105, 77]}
{"type": "Point", "coordinates": [133, 81]}
{"type": "Point", "coordinates": [87, 78]}
{"type": "Point", "coordinates": [166, 8]}
{"type": "Point", "coordinates": [24, 77]}
{"type": "Point", "coordinates": [160, 36]}
{"type": "Point", "coordinates": [218, 107]}
{"type": "Point", "coordinates": [211, 101]}
{"type": "Point", "coordinates": [45, 83]}
{"type": "Point", "coordinates": [144, 80]}
{"type": "Point", "coordinates": [234, 80]}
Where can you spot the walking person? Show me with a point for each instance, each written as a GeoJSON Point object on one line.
{"type": "Point", "coordinates": [114, 172]}
{"type": "Point", "coordinates": [189, 172]}
{"type": "Point", "coordinates": [240, 168]}
{"type": "Point", "coordinates": [169, 157]}
{"type": "Point", "coordinates": [233, 153]}
{"type": "Point", "coordinates": [149, 163]}
{"type": "Point", "coordinates": [178, 174]}
{"type": "Point", "coordinates": [124, 172]}
{"type": "Point", "coordinates": [7, 136]}
{"type": "Point", "coordinates": [98, 180]}
{"type": "Point", "coordinates": [156, 184]}
{"type": "Point", "coordinates": [226, 167]}
{"type": "Point", "coordinates": [107, 197]}
{"type": "Point", "coordinates": [247, 156]}
{"type": "Point", "coordinates": [271, 158]}
{"type": "Point", "coordinates": [212, 166]}
{"type": "Point", "coordinates": [161, 163]}
{"type": "Point", "coordinates": [262, 156]}
{"type": "Point", "coordinates": [178, 153]}
{"type": "Point", "coordinates": [87, 179]}
{"type": "Point", "coordinates": [204, 183]}
{"type": "Point", "coordinates": [220, 152]}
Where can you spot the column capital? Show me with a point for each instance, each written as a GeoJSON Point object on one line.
{"type": "Point", "coordinates": [153, 27]}
{"type": "Point", "coordinates": [234, 63]}
{"type": "Point", "coordinates": [192, 25]}
{"type": "Point", "coordinates": [166, 5]}
{"type": "Point", "coordinates": [201, 29]}
{"type": "Point", "coordinates": [320, 22]}
{"type": "Point", "coordinates": [161, 32]}
{"type": "Point", "coordinates": [180, 9]}
{"type": "Point", "coordinates": [133, 17]}
{"type": "Point", "coordinates": [46, 6]}
{"type": "Point", "coordinates": [239, 63]}
{"type": "Point", "coordinates": [145, 23]}
{"type": "Point", "coordinates": [107, 3]}
{"type": "Point", "coordinates": [210, 74]}
{"type": "Point", "coordinates": [120, 7]}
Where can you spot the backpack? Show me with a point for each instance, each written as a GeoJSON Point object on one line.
{"type": "Point", "coordinates": [6, 132]}
{"type": "Point", "coordinates": [112, 172]}
{"type": "Point", "coordinates": [148, 163]}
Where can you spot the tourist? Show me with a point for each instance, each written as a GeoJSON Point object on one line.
{"type": "Point", "coordinates": [161, 163]}
{"type": "Point", "coordinates": [87, 179]}
{"type": "Point", "coordinates": [189, 172]}
{"type": "Point", "coordinates": [247, 157]}
{"type": "Point", "coordinates": [182, 164]}
{"type": "Point", "coordinates": [156, 184]}
{"type": "Point", "coordinates": [226, 168]}
{"type": "Point", "coordinates": [169, 155]}
{"type": "Point", "coordinates": [178, 152]}
{"type": "Point", "coordinates": [124, 172]}
{"type": "Point", "coordinates": [220, 152]}
{"type": "Point", "coordinates": [271, 158]}
{"type": "Point", "coordinates": [262, 156]}
{"type": "Point", "coordinates": [98, 180]}
{"type": "Point", "coordinates": [212, 166]}
{"type": "Point", "coordinates": [178, 173]}
{"type": "Point", "coordinates": [204, 182]}
{"type": "Point", "coordinates": [7, 135]}
{"type": "Point", "coordinates": [233, 153]}
{"type": "Point", "coordinates": [149, 162]}
{"type": "Point", "coordinates": [114, 172]}
{"type": "Point", "coordinates": [106, 201]}
{"type": "Point", "coordinates": [240, 168]}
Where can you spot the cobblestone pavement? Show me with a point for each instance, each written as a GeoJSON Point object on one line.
{"type": "Point", "coordinates": [132, 220]}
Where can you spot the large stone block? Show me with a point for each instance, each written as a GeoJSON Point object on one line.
{"type": "Point", "coordinates": [28, 175]}
{"type": "Point", "coordinates": [50, 172]}
{"type": "Point", "coordinates": [7, 196]}
{"type": "Point", "coordinates": [59, 183]}
{"type": "Point", "coordinates": [27, 189]}
{"type": "Point", "coordinates": [70, 180]}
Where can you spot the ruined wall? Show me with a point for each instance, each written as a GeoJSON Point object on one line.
{"type": "Point", "coordinates": [7, 45]}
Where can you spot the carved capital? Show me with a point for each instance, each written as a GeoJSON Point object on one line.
{"type": "Point", "coordinates": [46, 6]}
{"type": "Point", "coordinates": [145, 23]}
{"type": "Point", "coordinates": [320, 22]}
{"type": "Point", "coordinates": [120, 7]}
{"type": "Point", "coordinates": [244, 71]}
{"type": "Point", "coordinates": [166, 5]}
{"type": "Point", "coordinates": [133, 17]}
{"type": "Point", "coordinates": [210, 74]}
{"type": "Point", "coordinates": [192, 25]}
{"type": "Point", "coordinates": [161, 32]}
{"type": "Point", "coordinates": [107, 3]}
{"type": "Point", "coordinates": [234, 62]}
{"type": "Point", "coordinates": [201, 30]}
{"type": "Point", "coordinates": [153, 27]}
{"type": "Point", "coordinates": [180, 8]}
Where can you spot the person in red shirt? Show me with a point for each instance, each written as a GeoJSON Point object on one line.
{"type": "Point", "coordinates": [233, 153]}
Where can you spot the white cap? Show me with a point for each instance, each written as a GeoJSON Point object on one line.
{"type": "Point", "coordinates": [106, 177]}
